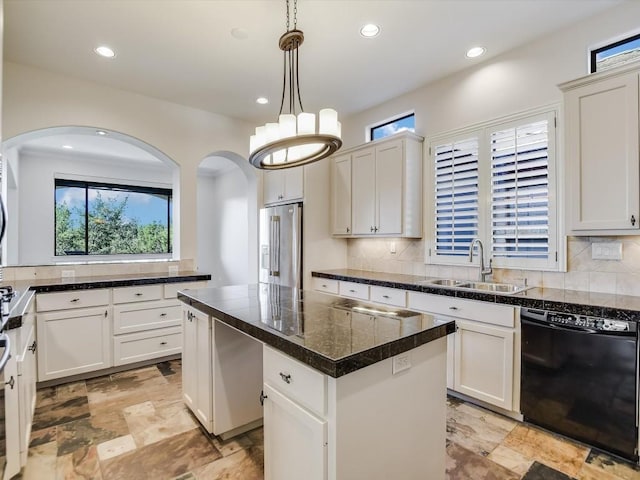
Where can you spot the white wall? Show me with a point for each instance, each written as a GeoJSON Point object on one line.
{"type": "Point", "coordinates": [222, 227]}
{"type": "Point", "coordinates": [37, 171]}
{"type": "Point", "coordinates": [35, 99]}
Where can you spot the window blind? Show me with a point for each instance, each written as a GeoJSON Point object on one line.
{"type": "Point", "coordinates": [520, 191]}
{"type": "Point", "coordinates": [456, 196]}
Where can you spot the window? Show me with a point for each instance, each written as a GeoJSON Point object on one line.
{"type": "Point", "coordinates": [396, 125]}
{"type": "Point", "coordinates": [106, 219]}
{"type": "Point", "coordinates": [615, 53]}
{"type": "Point", "coordinates": [497, 183]}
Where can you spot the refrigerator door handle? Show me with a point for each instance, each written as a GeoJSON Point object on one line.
{"type": "Point", "coordinates": [274, 257]}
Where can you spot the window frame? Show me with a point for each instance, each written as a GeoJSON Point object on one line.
{"type": "Point", "coordinates": [123, 187]}
{"type": "Point", "coordinates": [556, 256]}
{"type": "Point", "coordinates": [382, 123]}
{"type": "Point", "coordinates": [617, 41]}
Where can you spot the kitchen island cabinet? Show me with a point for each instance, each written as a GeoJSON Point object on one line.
{"type": "Point", "coordinates": [328, 400]}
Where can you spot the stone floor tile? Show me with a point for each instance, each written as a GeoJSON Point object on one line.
{"type": "Point", "coordinates": [551, 450]}
{"type": "Point", "coordinates": [45, 396]}
{"type": "Point", "coordinates": [256, 436]}
{"type": "Point", "coordinates": [90, 431]}
{"type": "Point", "coordinates": [82, 464]}
{"type": "Point", "coordinates": [539, 471]}
{"type": "Point", "coordinates": [41, 463]}
{"type": "Point", "coordinates": [163, 460]}
{"type": "Point", "coordinates": [115, 447]}
{"type": "Point", "coordinates": [40, 437]}
{"type": "Point", "coordinates": [148, 424]}
{"type": "Point", "coordinates": [71, 390]}
{"type": "Point", "coordinates": [606, 463]}
{"type": "Point", "coordinates": [244, 464]}
{"type": "Point", "coordinates": [590, 472]}
{"type": "Point", "coordinates": [463, 464]}
{"type": "Point", "coordinates": [60, 412]}
{"type": "Point", "coordinates": [510, 459]}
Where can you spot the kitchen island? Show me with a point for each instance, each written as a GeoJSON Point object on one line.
{"type": "Point", "coordinates": [350, 390]}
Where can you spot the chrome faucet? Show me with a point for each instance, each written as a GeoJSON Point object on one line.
{"type": "Point", "coordinates": [483, 272]}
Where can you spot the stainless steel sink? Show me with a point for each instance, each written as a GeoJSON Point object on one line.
{"type": "Point", "coordinates": [507, 288]}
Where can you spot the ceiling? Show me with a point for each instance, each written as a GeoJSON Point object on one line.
{"type": "Point", "coordinates": [183, 50]}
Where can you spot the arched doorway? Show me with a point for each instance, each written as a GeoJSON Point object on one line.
{"type": "Point", "coordinates": [227, 219]}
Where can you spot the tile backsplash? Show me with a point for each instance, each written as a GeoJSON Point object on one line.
{"type": "Point", "coordinates": [583, 273]}
{"type": "Point", "coordinates": [93, 269]}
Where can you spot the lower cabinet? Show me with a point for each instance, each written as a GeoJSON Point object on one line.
{"type": "Point", "coordinates": [73, 341]}
{"type": "Point", "coordinates": [295, 440]}
{"type": "Point", "coordinates": [483, 362]}
{"type": "Point", "coordinates": [221, 375]}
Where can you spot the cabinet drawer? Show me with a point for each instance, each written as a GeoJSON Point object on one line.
{"type": "Point", "coordinates": [141, 293]}
{"type": "Point", "coordinates": [454, 307]}
{"type": "Point", "coordinates": [146, 316]}
{"type": "Point", "coordinates": [171, 289]}
{"type": "Point", "coordinates": [136, 347]}
{"type": "Point", "coordinates": [74, 299]}
{"type": "Point", "coordinates": [324, 285]}
{"type": "Point", "coordinates": [354, 290]}
{"type": "Point", "coordinates": [389, 296]}
{"type": "Point", "coordinates": [297, 381]}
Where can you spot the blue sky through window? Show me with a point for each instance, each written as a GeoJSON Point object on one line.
{"type": "Point", "coordinates": [394, 126]}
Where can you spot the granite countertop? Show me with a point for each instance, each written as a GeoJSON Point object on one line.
{"type": "Point", "coordinates": [334, 335]}
{"type": "Point", "coordinates": [26, 289]}
{"type": "Point", "coordinates": [620, 307]}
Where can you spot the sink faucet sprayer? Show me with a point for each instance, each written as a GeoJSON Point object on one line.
{"type": "Point", "coordinates": [482, 274]}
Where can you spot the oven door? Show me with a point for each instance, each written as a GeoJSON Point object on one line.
{"type": "Point", "coordinates": [581, 384]}
{"type": "Point", "coordinates": [5, 351]}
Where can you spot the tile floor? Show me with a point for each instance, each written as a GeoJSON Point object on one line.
{"type": "Point", "coordinates": [133, 426]}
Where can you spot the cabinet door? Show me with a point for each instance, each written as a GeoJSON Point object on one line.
{"type": "Point", "coordinates": [73, 341]}
{"type": "Point", "coordinates": [295, 440]}
{"type": "Point", "coordinates": [389, 188]}
{"type": "Point", "coordinates": [602, 154]}
{"type": "Point", "coordinates": [27, 390]}
{"type": "Point", "coordinates": [341, 195]}
{"type": "Point", "coordinates": [363, 184]}
{"type": "Point", "coordinates": [484, 363]}
{"type": "Point", "coordinates": [293, 183]}
{"type": "Point", "coordinates": [273, 186]}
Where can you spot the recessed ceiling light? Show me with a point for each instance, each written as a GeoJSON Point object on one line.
{"type": "Point", "coordinates": [262, 100]}
{"type": "Point", "coordinates": [101, 132]}
{"type": "Point", "coordinates": [68, 147]}
{"type": "Point", "coordinates": [370, 30]}
{"type": "Point", "coordinates": [105, 51]}
{"type": "Point", "coordinates": [475, 52]}
{"type": "Point", "coordinates": [239, 33]}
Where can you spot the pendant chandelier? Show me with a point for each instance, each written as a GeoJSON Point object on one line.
{"type": "Point", "coordinates": [294, 140]}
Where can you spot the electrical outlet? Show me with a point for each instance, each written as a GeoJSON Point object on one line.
{"type": "Point", "coordinates": [68, 273]}
{"type": "Point", "coordinates": [401, 362]}
{"type": "Point", "coordinates": [606, 251]}
{"type": "Point", "coordinates": [173, 270]}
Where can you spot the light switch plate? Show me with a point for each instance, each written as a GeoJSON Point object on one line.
{"type": "Point", "coordinates": [606, 251]}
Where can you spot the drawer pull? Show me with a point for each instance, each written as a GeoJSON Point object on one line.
{"type": "Point", "coordinates": [163, 343]}
{"type": "Point", "coordinates": [263, 397]}
{"type": "Point", "coordinates": [453, 308]}
{"type": "Point", "coordinates": [139, 294]}
{"type": "Point", "coordinates": [74, 300]}
{"type": "Point", "coordinates": [324, 286]}
{"type": "Point", "coordinates": [286, 377]}
{"type": "Point", "coordinates": [352, 291]}
{"type": "Point", "coordinates": [386, 296]}
{"type": "Point", "coordinates": [11, 382]}
{"type": "Point", "coordinates": [32, 347]}
{"type": "Point", "coordinates": [163, 314]}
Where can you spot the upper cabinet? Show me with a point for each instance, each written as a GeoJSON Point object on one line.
{"type": "Point", "coordinates": [377, 189]}
{"type": "Point", "coordinates": [602, 153]}
{"type": "Point", "coordinates": [283, 186]}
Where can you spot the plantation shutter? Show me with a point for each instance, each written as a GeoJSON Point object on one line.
{"type": "Point", "coordinates": [456, 196]}
{"type": "Point", "coordinates": [520, 191]}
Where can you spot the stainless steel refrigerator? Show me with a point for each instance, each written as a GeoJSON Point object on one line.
{"type": "Point", "coordinates": [281, 245]}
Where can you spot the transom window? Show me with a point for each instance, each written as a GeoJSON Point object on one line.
{"type": "Point", "coordinates": [615, 53]}
{"type": "Point", "coordinates": [94, 218]}
{"type": "Point", "coordinates": [497, 183]}
{"type": "Point", "coordinates": [393, 126]}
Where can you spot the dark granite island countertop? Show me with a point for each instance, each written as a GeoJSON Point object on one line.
{"type": "Point", "coordinates": [315, 328]}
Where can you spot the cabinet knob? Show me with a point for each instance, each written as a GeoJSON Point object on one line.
{"type": "Point", "coordinates": [11, 382]}
{"type": "Point", "coordinates": [163, 343]}
{"type": "Point", "coordinates": [32, 347]}
{"type": "Point", "coordinates": [375, 229]}
{"type": "Point", "coordinates": [324, 286]}
{"type": "Point", "coordinates": [453, 308]}
{"type": "Point", "coordinates": [163, 314]}
{"type": "Point", "coordinates": [371, 229]}
{"type": "Point", "coordinates": [633, 220]}
{"type": "Point", "coordinates": [386, 296]}
{"type": "Point", "coordinates": [74, 300]}
{"type": "Point", "coordinates": [286, 377]}
{"type": "Point", "coordinates": [352, 291]}
{"type": "Point", "coordinates": [348, 229]}
{"type": "Point", "coordinates": [262, 397]}
{"type": "Point", "coordinates": [139, 294]}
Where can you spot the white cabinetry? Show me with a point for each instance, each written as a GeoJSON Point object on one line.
{"type": "Point", "coordinates": [283, 186]}
{"type": "Point", "coordinates": [386, 188]}
{"type": "Point", "coordinates": [320, 427]}
{"type": "Point", "coordinates": [74, 340]}
{"type": "Point", "coordinates": [483, 354]}
{"type": "Point", "coordinates": [341, 195]}
{"type": "Point", "coordinates": [602, 153]}
{"type": "Point", "coordinates": [221, 375]}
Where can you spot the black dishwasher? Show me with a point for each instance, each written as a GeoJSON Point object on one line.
{"type": "Point", "coordinates": [579, 378]}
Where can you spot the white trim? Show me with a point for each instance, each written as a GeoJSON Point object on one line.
{"type": "Point", "coordinates": [110, 180]}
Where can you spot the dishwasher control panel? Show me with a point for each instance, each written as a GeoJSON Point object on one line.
{"type": "Point", "coordinates": [585, 322]}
